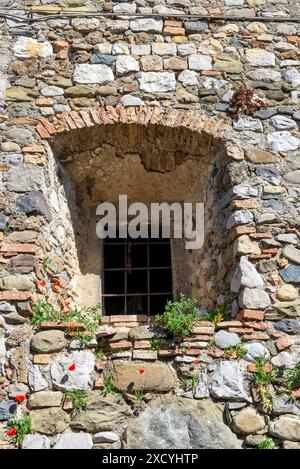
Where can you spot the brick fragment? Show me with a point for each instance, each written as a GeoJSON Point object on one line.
{"type": "Point", "coordinates": [255, 314]}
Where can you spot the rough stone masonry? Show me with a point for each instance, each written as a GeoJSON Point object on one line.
{"type": "Point", "coordinates": [157, 84]}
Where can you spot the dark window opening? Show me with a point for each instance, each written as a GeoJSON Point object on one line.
{"type": "Point", "coordinates": [137, 276]}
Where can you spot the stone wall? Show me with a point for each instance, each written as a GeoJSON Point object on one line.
{"type": "Point", "coordinates": [72, 83]}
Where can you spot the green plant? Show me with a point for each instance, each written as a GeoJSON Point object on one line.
{"type": "Point", "coordinates": [47, 262]}
{"type": "Point", "coordinates": [190, 384]}
{"type": "Point", "coordinates": [99, 353]}
{"type": "Point", "coordinates": [292, 377]}
{"type": "Point", "coordinates": [109, 387]}
{"type": "Point", "coordinates": [78, 399]}
{"type": "Point", "coordinates": [239, 349]}
{"type": "Point", "coordinates": [88, 316]}
{"type": "Point", "coordinates": [216, 315]}
{"type": "Point", "coordinates": [139, 394]}
{"type": "Point", "coordinates": [179, 317]}
{"type": "Point", "coordinates": [264, 376]}
{"type": "Point", "coordinates": [155, 343]}
{"type": "Point", "coordinates": [267, 443]}
{"type": "Point", "coordinates": [19, 428]}
{"type": "Point", "coordinates": [7, 230]}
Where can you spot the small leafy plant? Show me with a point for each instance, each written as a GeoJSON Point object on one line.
{"type": "Point", "coordinates": [263, 377]}
{"type": "Point", "coordinates": [78, 399]}
{"type": "Point", "coordinates": [7, 230]}
{"type": "Point", "coordinates": [88, 316]}
{"type": "Point", "coordinates": [155, 343]}
{"type": "Point", "coordinates": [179, 317]}
{"type": "Point", "coordinates": [239, 349]}
{"type": "Point", "coordinates": [245, 102]}
{"type": "Point", "coordinates": [267, 443]}
{"type": "Point", "coordinates": [99, 353]}
{"type": "Point", "coordinates": [19, 428]}
{"type": "Point", "coordinates": [47, 262]}
{"type": "Point", "coordinates": [139, 394]}
{"type": "Point", "coordinates": [190, 384]}
{"type": "Point", "coordinates": [109, 387]}
{"type": "Point", "coordinates": [216, 315]}
{"type": "Point", "coordinates": [292, 377]}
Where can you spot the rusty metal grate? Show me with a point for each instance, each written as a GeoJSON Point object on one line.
{"type": "Point", "coordinates": [137, 275]}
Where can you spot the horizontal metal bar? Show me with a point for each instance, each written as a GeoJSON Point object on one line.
{"type": "Point", "coordinates": [129, 269]}
{"type": "Point", "coordinates": [77, 14]}
{"type": "Point", "coordinates": [118, 295]}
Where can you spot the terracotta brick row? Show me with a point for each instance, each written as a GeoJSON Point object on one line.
{"type": "Point", "coordinates": [18, 247]}
{"type": "Point", "coordinates": [254, 314]}
{"type": "Point", "coordinates": [143, 115]}
{"type": "Point", "coordinates": [13, 295]}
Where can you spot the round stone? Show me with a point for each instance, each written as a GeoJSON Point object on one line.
{"type": "Point", "coordinates": [287, 293]}
{"type": "Point", "coordinates": [248, 421]}
{"type": "Point", "coordinates": [224, 339]}
{"type": "Point", "coordinates": [48, 341]}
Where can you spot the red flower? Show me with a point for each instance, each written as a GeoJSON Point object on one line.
{"type": "Point", "coordinates": [11, 432]}
{"type": "Point", "coordinates": [72, 367]}
{"type": "Point", "coordinates": [20, 398]}
{"type": "Point", "coordinates": [66, 312]}
{"type": "Point", "coordinates": [141, 372]}
{"type": "Point", "coordinates": [67, 303]}
{"type": "Point", "coordinates": [42, 283]}
{"type": "Point", "coordinates": [55, 284]}
{"type": "Point", "coordinates": [197, 360]}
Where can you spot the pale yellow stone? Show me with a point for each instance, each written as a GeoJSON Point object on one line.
{"type": "Point", "coordinates": [287, 293]}
{"type": "Point", "coordinates": [257, 27]}
{"type": "Point", "coordinates": [265, 37]}
{"type": "Point", "coordinates": [244, 245]}
{"type": "Point", "coordinates": [179, 39]}
{"type": "Point", "coordinates": [235, 153]}
{"type": "Point", "coordinates": [230, 29]}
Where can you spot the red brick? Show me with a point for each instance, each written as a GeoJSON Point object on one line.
{"type": "Point", "coordinates": [203, 330]}
{"type": "Point", "coordinates": [284, 343]}
{"type": "Point", "coordinates": [259, 257]}
{"type": "Point", "coordinates": [59, 46]}
{"type": "Point", "coordinates": [12, 295]}
{"type": "Point", "coordinates": [194, 352]}
{"type": "Point", "coordinates": [48, 126]}
{"type": "Point", "coordinates": [142, 344]}
{"type": "Point", "coordinates": [215, 352]}
{"type": "Point", "coordinates": [95, 116]}
{"type": "Point", "coordinates": [122, 345]}
{"type": "Point", "coordinates": [241, 330]}
{"type": "Point", "coordinates": [168, 353]}
{"type": "Point", "coordinates": [241, 230]}
{"type": "Point", "coordinates": [86, 118]}
{"type": "Point", "coordinates": [42, 131]}
{"type": "Point", "coordinates": [69, 121]}
{"type": "Point", "coordinates": [17, 247]}
{"type": "Point", "coordinates": [260, 326]}
{"type": "Point", "coordinates": [243, 203]}
{"type": "Point", "coordinates": [129, 318]}
{"type": "Point", "coordinates": [256, 336]}
{"type": "Point", "coordinates": [261, 235]}
{"type": "Point", "coordinates": [77, 120]}
{"type": "Point", "coordinates": [74, 326]}
{"type": "Point", "coordinates": [255, 314]}
{"type": "Point", "coordinates": [252, 368]}
{"type": "Point", "coordinates": [34, 149]}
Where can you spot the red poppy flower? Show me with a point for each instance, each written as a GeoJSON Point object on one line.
{"type": "Point", "coordinates": [55, 284]}
{"type": "Point", "coordinates": [66, 312]}
{"type": "Point", "coordinates": [67, 303]}
{"type": "Point", "coordinates": [11, 432]}
{"type": "Point", "coordinates": [197, 360]}
{"type": "Point", "coordinates": [42, 283]}
{"type": "Point", "coordinates": [141, 372]}
{"type": "Point", "coordinates": [72, 367]}
{"type": "Point", "coordinates": [20, 398]}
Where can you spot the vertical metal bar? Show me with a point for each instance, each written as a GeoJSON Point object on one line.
{"type": "Point", "coordinates": [148, 279]}
{"type": "Point", "coordinates": [125, 273]}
